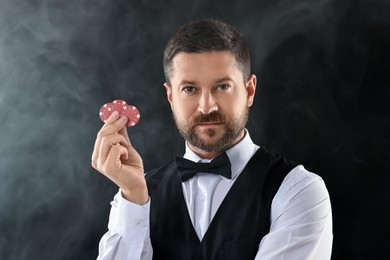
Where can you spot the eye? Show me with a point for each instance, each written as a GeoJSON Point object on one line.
{"type": "Point", "coordinates": [189, 89]}
{"type": "Point", "coordinates": [223, 87]}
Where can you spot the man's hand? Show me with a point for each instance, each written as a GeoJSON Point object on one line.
{"type": "Point", "coordinates": [115, 157]}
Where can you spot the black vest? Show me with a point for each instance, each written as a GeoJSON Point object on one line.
{"type": "Point", "coordinates": [238, 225]}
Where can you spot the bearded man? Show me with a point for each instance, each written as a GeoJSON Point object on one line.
{"type": "Point", "coordinates": [226, 198]}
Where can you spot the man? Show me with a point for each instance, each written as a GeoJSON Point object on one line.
{"type": "Point", "coordinates": [263, 207]}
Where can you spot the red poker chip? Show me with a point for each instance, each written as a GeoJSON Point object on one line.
{"type": "Point", "coordinates": [123, 108]}
{"type": "Point", "coordinates": [106, 111]}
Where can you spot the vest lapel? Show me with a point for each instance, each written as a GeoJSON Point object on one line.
{"type": "Point", "coordinates": [171, 224]}
{"type": "Point", "coordinates": [240, 192]}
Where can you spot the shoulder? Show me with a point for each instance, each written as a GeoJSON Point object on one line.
{"type": "Point", "coordinates": [303, 185]}
{"type": "Point", "coordinates": [300, 177]}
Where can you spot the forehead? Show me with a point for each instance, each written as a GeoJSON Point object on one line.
{"type": "Point", "coordinates": [204, 65]}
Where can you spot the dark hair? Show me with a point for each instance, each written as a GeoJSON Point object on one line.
{"type": "Point", "coordinates": [206, 35]}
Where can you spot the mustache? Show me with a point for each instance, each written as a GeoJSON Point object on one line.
{"type": "Point", "coordinates": [214, 116]}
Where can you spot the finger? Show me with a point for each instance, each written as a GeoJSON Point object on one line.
{"type": "Point", "coordinates": [124, 133]}
{"type": "Point", "coordinates": [113, 162]}
{"type": "Point", "coordinates": [111, 127]}
{"type": "Point", "coordinates": [108, 141]}
{"type": "Point", "coordinates": [95, 154]}
{"type": "Point", "coordinates": [133, 154]}
{"type": "Point", "coordinates": [113, 117]}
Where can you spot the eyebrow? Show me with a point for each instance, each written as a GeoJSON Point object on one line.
{"type": "Point", "coordinates": [224, 79]}
{"type": "Point", "coordinates": [190, 82]}
{"type": "Point", "coordinates": [187, 82]}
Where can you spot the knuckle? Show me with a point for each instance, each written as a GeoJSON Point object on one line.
{"type": "Point", "coordinates": [117, 149]}
{"type": "Point", "coordinates": [99, 136]}
{"type": "Point", "coordinates": [100, 133]}
{"type": "Point", "coordinates": [105, 169]}
{"type": "Point", "coordinates": [103, 140]}
{"type": "Point", "coordinates": [107, 140]}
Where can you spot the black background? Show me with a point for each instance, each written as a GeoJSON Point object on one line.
{"type": "Point", "coordinates": [323, 100]}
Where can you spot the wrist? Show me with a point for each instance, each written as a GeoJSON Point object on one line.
{"type": "Point", "coordinates": [140, 197]}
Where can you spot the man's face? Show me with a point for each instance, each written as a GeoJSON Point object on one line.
{"type": "Point", "coordinates": [209, 100]}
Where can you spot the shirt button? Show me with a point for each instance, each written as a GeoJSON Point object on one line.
{"type": "Point", "coordinates": [202, 198]}
{"type": "Point", "coordinates": [141, 223]}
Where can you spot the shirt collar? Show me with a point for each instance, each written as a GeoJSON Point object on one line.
{"type": "Point", "coordinates": [239, 155]}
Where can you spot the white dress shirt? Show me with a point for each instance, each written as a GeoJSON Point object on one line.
{"type": "Point", "coordinates": [301, 217]}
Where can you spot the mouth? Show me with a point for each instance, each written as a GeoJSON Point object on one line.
{"type": "Point", "coordinates": [210, 124]}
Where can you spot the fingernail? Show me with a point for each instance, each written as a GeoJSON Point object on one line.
{"type": "Point", "coordinates": [114, 114]}
{"type": "Point", "coordinates": [123, 118]}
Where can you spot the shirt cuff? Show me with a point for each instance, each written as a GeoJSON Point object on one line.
{"type": "Point", "coordinates": [129, 220]}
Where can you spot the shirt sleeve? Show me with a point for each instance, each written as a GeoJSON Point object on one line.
{"type": "Point", "coordinates": [301, 220]}
{"type": "Point", "coordinates": [128, 236]}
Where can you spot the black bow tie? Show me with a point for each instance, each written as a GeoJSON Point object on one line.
{"type": "Point", "coordinates": [219, 165]}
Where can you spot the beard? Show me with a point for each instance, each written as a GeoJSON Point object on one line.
{"type": "Point", "coordinates": [232, 129]}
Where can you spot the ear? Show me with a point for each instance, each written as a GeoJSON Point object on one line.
{"type": "Point", "coordinates": [168, 89]}
{"type": "Point", "coordinates": [251, 89]}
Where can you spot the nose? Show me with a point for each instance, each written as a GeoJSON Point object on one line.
{"type": "Point", "coordinates": [207, 103]}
